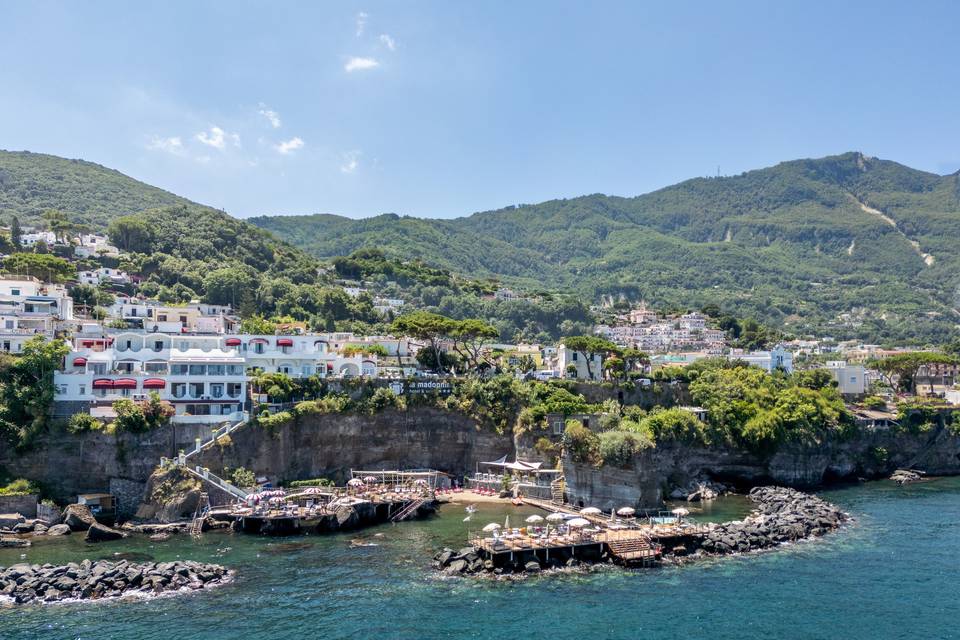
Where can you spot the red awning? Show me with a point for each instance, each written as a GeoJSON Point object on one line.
{"type": "Point", "coordinates": [103, 383]}
{"type": "Point", "coordinates": [329, 366]}
{"type": "Point", "coordinates": [154, 383]}
{"type": "Point", "coordinates": [87, 343]}
{"type": "Point", "coordinates": [284, 342]}
{"type": "Point", "coordinates": [258, 340]}
{"type": "Point", "coordinates": [79, 362]}
{"type": "Point", "coordinates": [125, 383]}
{"type": "Point", "coordinates": [232, 342]}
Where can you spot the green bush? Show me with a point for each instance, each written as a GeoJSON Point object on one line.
{"type": "Point", "coordinates": [19, 487]}
{"type": "Point", "coordinates": [83, 423]}
{"type": "Point", "coordinates": [243, 478]}
{"type": "Point", "coordinates": [582, 444]}
{"type": "Point", "coordinates": [316, 482]}
{"type": "Point", "coordinates": [617, 448]}
{"type": "Point", "coordinates": [674, 424]}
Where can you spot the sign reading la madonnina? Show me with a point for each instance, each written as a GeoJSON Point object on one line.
{"type": "Point", "coordinates": [440, 387]}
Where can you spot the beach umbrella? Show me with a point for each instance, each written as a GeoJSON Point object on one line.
{"type": "Point", "coordinates": [506, 523]}
{"type": "Point", "coordinates": [354, 482]}
{"type": "Point", "coordinates": [591, 511]}
{"type": "Point", "coordinates": [369, 479]}
{"type": "Point", "coordinates": [420, 481]}
{"type": "Point", "coordinates": [534, 519]}
{"type": "Point", "coordinates": [680, 512]}
{"type": "Point", "coordinates": [579, 522]}
{"type": "Point", "coordinates": [626, 512]}
{"type": "Point", "coordinates": [555, 517]}
{"type": "Point", "coordinates": [493, 526]}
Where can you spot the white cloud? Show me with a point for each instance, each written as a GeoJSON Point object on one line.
{"type": "Point", "coordinates": [172, 145]}
{"type": "Point", "coordinates": [351, 161]}
{"type": "Point", "coordinates": [360, 64]}
{"type": "Point", "coordinates": [215, 138]}
{"type": "Point", "coordinates": [272, 116]}
{"type": "Point", "coordinates": [388, 42]}
{"type": "Point", "coordinates": [361, 23]}
{"type": "Point", "coordinates": [289, 146]}
{"type": "Point", "coordinates": [236, 139]}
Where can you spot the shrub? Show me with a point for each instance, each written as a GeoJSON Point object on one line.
{"type": "Point", "coordinates": [617, 448]}
{"type": "Point", "coordinates": [19, 487]}
{"type": "Point", "coordinates": [224, 441]}
{"type": "Point", "coordinates": [582, 444]}
{"type": "Point", "coordinates": [243, 477]}
{"type": "Point", "coordinates": [274, 421]}
{"type": "Point", "coordinates": [83, 422]}
{"type": "Point", "coordinates": [316, 482]}
{"type": "Point", "coordinates": [674, 424]}
{"type": "Point", "coordinates": [874, 402]}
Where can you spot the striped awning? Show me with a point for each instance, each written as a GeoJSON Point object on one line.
{"type": "Point", "coordinates": [79, 362]}
{"type": "Point", "coordinates": [125, 383]}
{"type": "Point", "coordinates": [103, 383]}
{"type": "Point", "coordinates": [154, 383]}
{"type": "Point", "coordinates": [284, 342]}
{"type": "Point", "coordinates": [232, 342]}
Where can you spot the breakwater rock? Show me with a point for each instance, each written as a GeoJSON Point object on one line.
{"type": "Point", "coordinates": [782, 515]}
{"type": "Point", "coordinates": [91, 580]}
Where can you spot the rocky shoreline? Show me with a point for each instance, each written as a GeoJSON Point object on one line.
{"type": "Point", "coordinates": [101, 579]}
{"type": "Point", "coordinates": [781, 516]}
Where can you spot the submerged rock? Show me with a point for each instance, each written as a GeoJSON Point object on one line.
{"type": "Point", "coordinates": [59, 530]}
{"type": "Point", "coordinates": [102, 533]}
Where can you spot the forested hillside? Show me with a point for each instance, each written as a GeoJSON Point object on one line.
{"type": "Point", "coordinates": [845, 245]}
{"type": "Point", "coordinates": [31, 183]}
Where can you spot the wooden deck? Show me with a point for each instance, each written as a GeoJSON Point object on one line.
{"type": "Point", "coordinates": [627, 546]}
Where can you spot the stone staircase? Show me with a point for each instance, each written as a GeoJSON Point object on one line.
{"type": "Point", "coordinates": [558, 490]}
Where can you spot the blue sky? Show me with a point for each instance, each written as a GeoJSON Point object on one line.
{"type": "Point", "coordinates": [440, 109]}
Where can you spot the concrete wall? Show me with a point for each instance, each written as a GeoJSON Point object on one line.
{"type": "Point", "coordinates": [24, 505]}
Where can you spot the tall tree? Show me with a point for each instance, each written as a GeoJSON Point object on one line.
{"type": "Point", "coordinates": [431, 327]}
{"type": "Point", "coordinates": [590, 347]}
{"type": "Point", "coordinates": [469, 337]}
{"type": "Point", "coordinates": [16, 232]}
{"type": "Point", "coordinates": [904, 367]}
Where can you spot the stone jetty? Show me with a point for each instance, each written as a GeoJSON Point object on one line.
{"type": "Point", "coordinates": [782, 515]}
{"type": "Point", "coordinates": [91, 580]}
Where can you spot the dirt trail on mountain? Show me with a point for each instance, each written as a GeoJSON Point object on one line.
{"type": "Point", "coordinates": [927, 258]}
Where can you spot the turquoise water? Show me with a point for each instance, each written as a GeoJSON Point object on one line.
{"type": "Point", "coordinates": [894, 574]}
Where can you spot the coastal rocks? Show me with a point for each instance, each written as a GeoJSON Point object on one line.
{"type": "Point", "coordinates": [906, 476]}
{"type": "Point", "coordinates": [782, 515]}
{"type": "Point", "coordinates": [78, 517]}
{"type": "Point", "coordinates": [102, 533]}
{"type": "Point", "coordinates": [25, 583]}
{"type": "Point", "coordinates": [59, 530]}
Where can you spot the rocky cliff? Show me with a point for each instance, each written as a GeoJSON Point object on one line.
{"type": "Point", "coordinates": [655, 473]}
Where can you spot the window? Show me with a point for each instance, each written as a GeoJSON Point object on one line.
{"type": "Point", "coordinates": [258, 348]}
{"type": "Point", "coordinates": [226, 409]}
{"type": "Point", "coordinates": [216, 369]}
{"type": "Point", "coordinates": [14, 292]}
{"type": "Point", "coordinates": [60, 389]}
{"type": "Point", "coordinates": [8, 324]}
{"type": "Point", "coordinates": [235, 369]}
{"type": "Point", "coordinates": [307, 370]}
{"type": "Point", "coordinates": [558, 427]}
{"type": "Point", "coordinates": [99, 368]}
{"type": "Point", "coordinates": [158, 345]}
{"type": "Point", "coordinates": [196, 389]}
{"type": "Point", "coordinates": [574, 358]}
{"type": "Point", "coordinates": [178, 389]}
{"type": "Point", "coordinates": [234, 389]}
{"type": "Point", "coordinates": [161, 317]}
{"type": "Point", "coordinates": [178, 369]}
{"type": "Point", "coordinates": [183, 320]}
{"type": "Point", "coordinates": [216, 390]}
{"type": "Point", "coordinates": [83, 389]}
{"type": "Point", "coordinates": [198, 369]}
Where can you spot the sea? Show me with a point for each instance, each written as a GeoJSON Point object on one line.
{"type": "Point", "coordinates": [894, 572]}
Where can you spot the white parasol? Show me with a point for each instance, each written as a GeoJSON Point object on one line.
{"type": "Point", "coordinates": [626, 512]}
{"type": "Point", "coordinates": [555, 517]}
{"type": "Point", "coordinates": [493, 526]}
{"type": "Point", "coordinates": [534, 519]}
{"type": "Point", "coordinates": [579, 522]}
{"type": "Point", "coordinates": [591, 511]}
{"type": "Point", "coordinates": [680, 511]}
{"type": "Point", "coordinates": [354, 482]}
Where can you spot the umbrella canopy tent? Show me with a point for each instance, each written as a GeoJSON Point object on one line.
{"type": "Point", "coordinates": [680, 512]}
{"type": "Point", "coordinates": [591, 511]}
{"type": "Point", "coordinates": [534, 519]}
{"type": "Point", "coordinates": [579, 523]}
{"type": "Point", "coordinates": [354, 482]}
{"type": "Point", "coordinates": [493, 526]}
{"type": "Point", "coordinates": [555, 517]}
{"type": "Point", "coordinates": [370, 479]}
{"type": "Point", "coordinates": [626, 512]}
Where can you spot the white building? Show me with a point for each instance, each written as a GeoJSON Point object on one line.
{"type": "Point", "coordinates": [103, 274]}
{"type": "Point", "coordinates": [33, 237]}
{"type": "Point", "coordinates": [851, 378]}
{"type": "Point", "coordinates": [203, 379]}
{"type": "Point", "coordinates": [567, 357]}
{"type": "Point", "coordinates": [769, 361]}
{"type": "Point", "coordinates": [28, 307]}
{"type": "Point", "coordinates": [94, 245]}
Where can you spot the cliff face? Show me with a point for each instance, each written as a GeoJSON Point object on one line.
{"type": "Point", "coordinates": [653, 474]}
{"type": "Point", "coordinates": [311, 447]}
{"type": "Point", "coordinates": [330, 445]}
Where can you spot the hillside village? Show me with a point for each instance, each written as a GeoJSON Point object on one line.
{"type": "Point", "coordinates": [203, 358]}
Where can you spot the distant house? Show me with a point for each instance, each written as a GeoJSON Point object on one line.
{"type": "Point", "coordinates": [567, 357]}
{"type": "Point", "coordinates": [769, 361]}
{"type": "Point", "coordinates": [851, 378]}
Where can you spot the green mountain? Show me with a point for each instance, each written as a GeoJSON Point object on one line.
{"type": "Point", "coordinates": [847, 245]}
{"type": "Point", "coordinates": [31, 183]}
